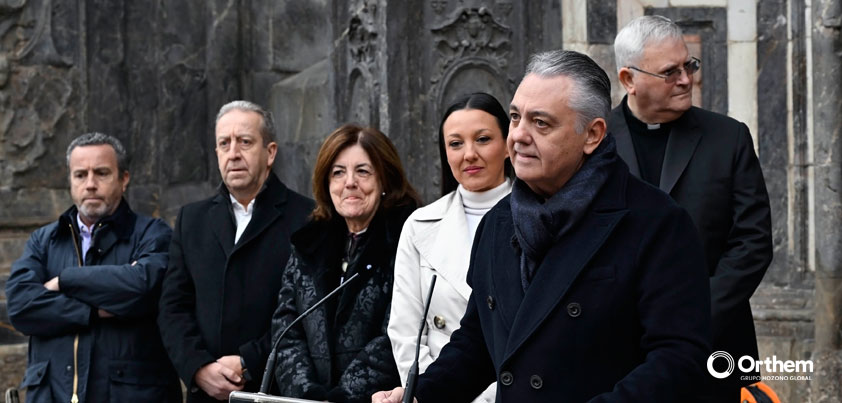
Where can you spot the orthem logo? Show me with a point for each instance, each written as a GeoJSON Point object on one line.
{"type": "Point", "coordinates": [748, 365]}
{"type": "Point", "coordinates": [727, 357]}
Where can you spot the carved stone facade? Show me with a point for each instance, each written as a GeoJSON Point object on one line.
{"type": "Point", "coordinates": [154, 74]}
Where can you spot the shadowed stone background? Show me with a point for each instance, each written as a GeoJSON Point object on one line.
{"type": "Point", "coordinates": [154, 73]}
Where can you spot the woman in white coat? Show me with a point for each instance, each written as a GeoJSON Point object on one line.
{"type": "Point", "coordinates": [437, 238]}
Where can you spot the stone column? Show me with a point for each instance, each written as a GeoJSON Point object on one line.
{"type": "Point", "coordinates": [827, 104]}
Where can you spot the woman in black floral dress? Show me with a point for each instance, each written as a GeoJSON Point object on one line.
{"type": "Point", "coordinates": [341, 351]}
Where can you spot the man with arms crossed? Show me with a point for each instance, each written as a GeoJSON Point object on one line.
{"type": "Point", "coordinates": [86, 290]}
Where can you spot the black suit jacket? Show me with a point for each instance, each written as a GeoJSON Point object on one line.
{"type": "Point", "coordinates": [617, 311]}
{"type": "Point", "coordinates": [711, 170]}
{"type": "Point", "coordinates": [218, 298]}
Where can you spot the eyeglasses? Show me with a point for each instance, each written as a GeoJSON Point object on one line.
{"type": "Point", "coordinates": [671, 76]}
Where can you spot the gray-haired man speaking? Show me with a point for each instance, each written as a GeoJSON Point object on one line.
{"type": "Point", "coordinates": [588, 285]}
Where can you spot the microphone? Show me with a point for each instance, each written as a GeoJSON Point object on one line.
{"type": "Point", "coordinates": [270, 363]}
{"type": "Point", "coordinates": [412, 376]}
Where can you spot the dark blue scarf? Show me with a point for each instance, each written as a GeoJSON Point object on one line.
{"type": "Point", "coordinates": [539, 223]}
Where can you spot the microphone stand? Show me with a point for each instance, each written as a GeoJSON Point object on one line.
{"type": "Point", "coordinates": [412, 376]}
{"type": "Point", "coordinates": [270, 363]}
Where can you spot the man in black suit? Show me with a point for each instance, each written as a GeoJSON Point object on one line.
{"type": "Point", "coordinates": [226, 257]}
{"type": "Point", "coordinates": [706, 162]}
{"type": "Point", "coordinates": [587, 284]}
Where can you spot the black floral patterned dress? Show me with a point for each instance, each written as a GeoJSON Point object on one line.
{"type": "Point", "coordinates": [341, 351]}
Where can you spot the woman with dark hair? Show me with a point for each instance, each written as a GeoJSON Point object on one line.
{"type": "Point", "coordinates": [341, 352]}
{"type": "Point", "coordinates": [437, 239]}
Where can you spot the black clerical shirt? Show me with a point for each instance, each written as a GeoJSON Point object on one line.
{"type": "Point", "coordinates": [650, 144]}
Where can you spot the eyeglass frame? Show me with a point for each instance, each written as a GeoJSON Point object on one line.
{"type": "Point", "coordinates": [675, 73]}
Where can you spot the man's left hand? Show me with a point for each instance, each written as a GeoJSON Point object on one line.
{"type": "Point", "coordinates": [233, 362]}
{"type": "Point", "coordinates": [52, 285]}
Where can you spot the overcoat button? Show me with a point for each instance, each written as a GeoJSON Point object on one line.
{"type": "Point", "coordinates": [439, 321]}
{"type": "Point", "coordinates": [68, 368]}
{"type": "Point", "coordinates": [490, 301]}
{"type": "Point", "coordinates": [119, 372]}
{"type": "Point", "coordinates": [536, 382]}
{"type": "Point", "coordinates": [506, 378]}
{"type": "Point", "coordinates": [574, 309]}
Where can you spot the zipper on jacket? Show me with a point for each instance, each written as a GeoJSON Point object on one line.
{"type": "Point", "coordinates": [75, 398]}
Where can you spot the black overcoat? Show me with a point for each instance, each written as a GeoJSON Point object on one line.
{"type": "Point", "coordinates": [218, 297]}
{"type": "Point", "coordinates": [617, 311]}
{"type": "Point", "coordinates": [710, 169]}
{"type": "Point", "coordinates": [341, 351]}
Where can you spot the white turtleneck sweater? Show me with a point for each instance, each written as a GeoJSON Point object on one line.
{"type": "Point", "coordinates": [476, 204]}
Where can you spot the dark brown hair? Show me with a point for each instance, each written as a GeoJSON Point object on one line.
{"type": "Point", "coordinates": [479, 101]}
{"type": "Point", "coordinates": [384, 159]}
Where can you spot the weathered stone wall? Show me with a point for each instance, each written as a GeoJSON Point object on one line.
{"type": "Point", "coordinates": [154, 74]}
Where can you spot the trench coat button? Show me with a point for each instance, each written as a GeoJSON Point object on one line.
{"type": "Point", "coordinates": [506, 378]}
{"type": "Point", "coordinates": [536, 382]}
{"type": "Point", "coordinates": [574, 309]}
{"type": "Point", "coordinates": [119, 372]}
{"type": "Point", "coordinates": [490, 301]}
{"type": "Point", "coordinates": [439, 321]}
{"type": "Point", "coordinates": [68, 368]}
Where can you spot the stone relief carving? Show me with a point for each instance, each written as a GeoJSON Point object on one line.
{"type": "Point", "coordinates": [503, 7]}
{"type": "Point", "coordinates": [362, 34]}
{"type": "Point", "coordinates": [363, 88]}
{"type": "Point", "coordinates": [438, 5]}
{"type": "Point", "coordinates": [36, 86]}
{"type": "Point", "coordinates": [34, 32]}
{"type": "Point", "coordinates": [6, 112]}
{"type": "Point", "coordinates": [470, 33]}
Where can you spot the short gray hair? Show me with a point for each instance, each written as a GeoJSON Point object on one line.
{"type": "Point", "coordinates": [633, 38]}
{"type": "Point", "coordinates": [267, 124]}
{"type": "Point", "coordinates": [591, 94]}
{"type": "Point", "coordinates": [95, 139]}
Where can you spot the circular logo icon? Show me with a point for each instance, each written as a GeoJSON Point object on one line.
{"type": "Point", "coordinates": [727, 357]}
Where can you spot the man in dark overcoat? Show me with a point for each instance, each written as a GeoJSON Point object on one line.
{"type": "Point", "coordinates": [706, 162]}
{"type": "Point", "coordinates": [587, 284]}
{"type": "Point", "coordinates": [86, 289]}
{"type": "Point", "coordinates": [226, 259]}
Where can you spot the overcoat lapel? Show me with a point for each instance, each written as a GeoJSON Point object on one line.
{"type": "Point", "coordinates": [556, 273]}
{"type": "Point", "coordinates": [449, 249]}
{"type": "Point", "coordinates": [221, 223]}
{"type": "Point", "coordinates": [625, 148]}
{"type": "Point", "coordinates": [680, 147]}
{"type": "Point", "coordinates": [505, 269]}
{"type": "Point", "coordinates": [264, 215]}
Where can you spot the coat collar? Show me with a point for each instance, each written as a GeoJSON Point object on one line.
{"type": "Point", "coordinates": [565, 261]}
{"type": "Point", "coordinates": [120, 223]}
{"type": "Point", "coordinates": [268, 207]}
{"type": "Point", "coordinates": [320, 243]}
{"type": "Point", "coordinates": [107, 231]}
{"type": "Point", "coordinates": [446, 246]}
{"type": "Point", "coordinates": [681, 144]}
{"type": "Point", "coordinates": [312, 239]}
